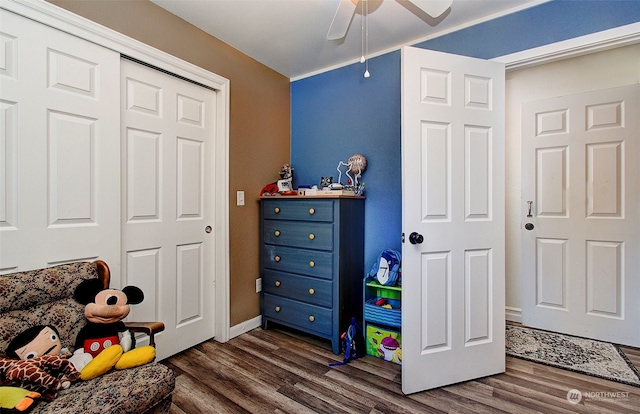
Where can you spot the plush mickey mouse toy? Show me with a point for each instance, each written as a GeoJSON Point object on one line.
{"type": "Point", "coordinates": [105, 336]}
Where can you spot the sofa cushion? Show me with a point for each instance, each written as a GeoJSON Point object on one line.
{"type": "Point", "coordinates": [128, 391]}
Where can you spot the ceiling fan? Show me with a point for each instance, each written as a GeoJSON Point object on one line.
{"type": "Point", "coordinates": [346, 9]}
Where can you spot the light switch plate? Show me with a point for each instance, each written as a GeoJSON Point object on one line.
{"type": "Point", "coordinates": [240, 198]}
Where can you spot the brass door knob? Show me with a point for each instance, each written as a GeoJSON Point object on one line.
{"type": "Point", "coordinates": [312, 236]}
{"type": "Point", "coordinates": [277, 308]}
{"type": "Point", "coordinates": [277, 283]}
{"type": "Point", "coordinates": [312, 211]}
{"type": "Point", "coordinates": [277, 258]}
{"type": "Point", "coordinates": [276, 210]}
{"type": "Point", "coordinates": [312, 291]}
{"type": "Point", "coordinates": [312, 318]}
{"type": "Point", "coordinates": [312, 263]}
{"type": "Point", "coordinates": [277, 233]}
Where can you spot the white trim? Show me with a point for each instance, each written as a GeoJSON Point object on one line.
{"type": "Point", "coordinates": [512, 314]}
{"type": "Point", "coordinates": [245, 327]}
{"type": "Point", "coordinates": [63, 20]}
{"type": "Point", "coordinates": [583, 45]}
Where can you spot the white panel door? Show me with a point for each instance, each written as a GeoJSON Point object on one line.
{"type": "Point", "coordinates": [168, 136]}
{"type": "Point", "coordinates": [453, 196]}
{"type": "Point", "coordinates": [59, 148]}
{"type": "Point", "coordinates": [581, 266]}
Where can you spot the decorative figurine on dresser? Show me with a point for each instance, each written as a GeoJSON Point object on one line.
{"type": "Point", "coordinates": [312, 263]}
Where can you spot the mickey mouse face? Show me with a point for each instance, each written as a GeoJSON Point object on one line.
{"type": "Point", "coordinates": [111, 297]}
{"type": "Point", "coordinates": [106, 305]}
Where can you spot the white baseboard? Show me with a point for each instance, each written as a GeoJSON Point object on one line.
{"type": "Point", "coordinates": [513, 314]}
{"type": "Point", "coordinates": [245, 326]}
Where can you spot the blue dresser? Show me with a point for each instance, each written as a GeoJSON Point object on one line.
{"type": "Point", "coordinates": [312, 263]}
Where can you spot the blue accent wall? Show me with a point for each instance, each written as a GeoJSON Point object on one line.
{"type": "Point", "coordinates": [339, 113]}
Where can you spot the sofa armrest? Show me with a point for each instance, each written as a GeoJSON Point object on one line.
{"type": "Point", "coordinates": [149, 328]}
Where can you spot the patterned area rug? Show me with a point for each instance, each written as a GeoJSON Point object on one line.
{"type": "Point", "coordinates": [599, 359]}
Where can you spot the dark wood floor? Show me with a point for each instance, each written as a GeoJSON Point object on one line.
{"type": "Point", "coordinates": [275, 371]}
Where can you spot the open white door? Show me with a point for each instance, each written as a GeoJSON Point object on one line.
{"type": "Point", "coordinates": [452, 195]}
{"type": "Point", "coordinates": [581, 268]}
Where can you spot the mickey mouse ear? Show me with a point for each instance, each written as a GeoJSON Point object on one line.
{"type": "Point", "coordinates": [134, 294]}
{"type": "Point", "coordinates": [87, 290]}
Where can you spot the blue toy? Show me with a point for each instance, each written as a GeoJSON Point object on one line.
{"type": "Point", "coordinates": [349, 343]}
{"type": "Point", "coordinates": [386, 268]}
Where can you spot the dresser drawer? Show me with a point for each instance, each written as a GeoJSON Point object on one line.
{"type": "Point", "coordinates": [306, 262]}
{"type": "Point", "coordinates": [304, 315]}
{"type": "Point", "coordinates": [308, 210]}
{"type": "Point", "coordinates": [299, 234]}
{"type": "Point", "coordinates": [307, 289]}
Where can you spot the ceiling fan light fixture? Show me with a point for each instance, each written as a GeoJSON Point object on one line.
{"type": "Point", "coordinates": [347, 9]}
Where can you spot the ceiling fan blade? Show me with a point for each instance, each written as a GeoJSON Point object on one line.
{"type": "Point", "coordinates": [341, 20]}
{"type": "Point", "coordinates": [433, 8]}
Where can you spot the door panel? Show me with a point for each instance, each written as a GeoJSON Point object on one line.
{"type": "Point", "coordinates": [168, 130]}
{"type": "Point", "coordinates": [580, 261]}
{"type": "Point", "coordinates": [59, 159]}
{"type": "Point", "coordinates": [453, 194]}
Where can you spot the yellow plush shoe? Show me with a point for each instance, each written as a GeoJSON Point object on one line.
{"type": "Point", "coordinates": [102, 363]}
{"type": "Point", "coordinates": [136, 357]}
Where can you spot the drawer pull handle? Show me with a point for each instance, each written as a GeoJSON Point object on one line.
{"type": "Point", "coordinates": [312, 291]}
{"type": "Point", "coordinates": [312, 263]}
{"type": "Point", "coordinates": [277, 283]}
{"type": "Point", "coordinates": [277, 233]}
{"type": "Point", "coordinates": [277, 308]}
{"type": "Point", "coordinates": [277, 258]}
{"type": "Point", "coordinates": [312, 318]}
{"type": "Point", "coordinates": [312, 211]}
{"type": "Point", "coordinates": [276, 210]}
{"type": "Point", "coordinates": [312, 236]}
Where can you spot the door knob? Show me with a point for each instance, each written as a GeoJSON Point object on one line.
{"type": "Point", "coordinates": [415, 238]}
{"type": "Point", "coordinates": [528, 226]}
{"type": "Point", "coordinates": [208, 229]}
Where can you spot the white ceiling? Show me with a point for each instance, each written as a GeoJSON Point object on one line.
{"type": "Point", "coordinates": [289, 36]}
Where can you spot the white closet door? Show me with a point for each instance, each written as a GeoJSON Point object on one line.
{"type": "Point", "coordinates": [59, 148]}
{"type": "Point", "coordinates": [168, 231]}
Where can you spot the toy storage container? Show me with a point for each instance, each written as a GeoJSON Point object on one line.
{"type": "Point", "coordinates": [382, 325]}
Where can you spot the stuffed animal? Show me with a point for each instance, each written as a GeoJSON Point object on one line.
{"type": "Point", "coordinates": [105, 336]}
{"type": "Point", "coordinates": [15, 399]}
{"type": "Point", "coordinates": [48, 373]}
{"type": "Point", "coordinates": [35, 341]}
{"type": "Point", "coordinates": [42, 340]}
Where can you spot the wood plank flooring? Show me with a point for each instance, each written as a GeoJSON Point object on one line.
{"type": "Point", "coordinates": [276, 371]}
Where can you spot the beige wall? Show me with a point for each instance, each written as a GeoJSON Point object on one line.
{"type": "Point", "coordinates": [608, 69]}
{"type": "Point", "coordinates": [258, 122]}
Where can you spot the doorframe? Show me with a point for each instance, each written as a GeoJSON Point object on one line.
{"type": "Point", "coordinates": [579, 46]}
{"type": "Point", "coordinates": [63, 20]}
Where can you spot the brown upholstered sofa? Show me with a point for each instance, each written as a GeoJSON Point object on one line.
{"type": "Point", "coordinates": [45, 297]}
